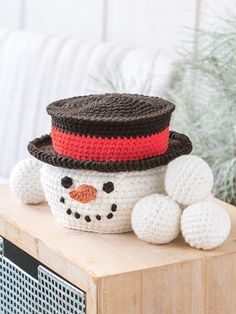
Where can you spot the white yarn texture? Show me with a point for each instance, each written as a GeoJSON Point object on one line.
{"type": "Point", "coordinates": [156, 219]}
{"type": "Point", "coordinates": [188, 179]}
{"type": "Point", "coordinates": [25, 181]}
{"type": "Point", "coordinates": [205, 225]}
{"type": "Point", "coordinates": [129, 187]}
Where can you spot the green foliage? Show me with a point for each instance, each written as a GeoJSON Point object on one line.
{"type": "Point", "coordinates": [203, 87]}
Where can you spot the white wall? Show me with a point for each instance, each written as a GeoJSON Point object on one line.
{"type": "Point", "coordinates": [150, 23]}
{"type": "Point", "coordinates": [10, 13]}
{"type": "Point", "coordinates": [82, 18]}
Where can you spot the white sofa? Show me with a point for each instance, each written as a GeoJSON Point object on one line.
{"type": "Point", "coordinates": [36, 69]}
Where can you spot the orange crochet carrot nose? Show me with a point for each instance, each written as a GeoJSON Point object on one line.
{"type": "Point", "coordinates": [84, 194]}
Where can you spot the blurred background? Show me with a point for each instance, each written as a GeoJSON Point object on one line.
{"type": "Point", "coordinates": [181, 50]}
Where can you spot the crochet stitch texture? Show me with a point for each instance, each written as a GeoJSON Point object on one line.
{"type": "Point", "coordinates": [25, 181]}
{"type": "Point", "coordinates": [205, 225]}
{"type": "Point", "coordinates": [116, 195]}
{"type": "Point", "coordinates": [110, 133]}
{"type": "Point", "coordinates": [156, 219]}
{"type": "Point", "coordinates": [111, 115]}
{"type": "Point", "coordinates": [104, 153]}
{"type": "Point", "coordinates": [188, 179]}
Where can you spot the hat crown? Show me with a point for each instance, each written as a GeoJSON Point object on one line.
{"type": "Point", "coordinates": [111, 108]}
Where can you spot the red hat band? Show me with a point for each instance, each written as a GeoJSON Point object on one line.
{"type": "Point", "coordinates": [112, 149]}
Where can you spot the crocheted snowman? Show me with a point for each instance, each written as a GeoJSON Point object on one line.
{"type": "Point", "coordinates": [105, 153]}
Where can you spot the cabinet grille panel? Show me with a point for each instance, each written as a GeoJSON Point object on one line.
{"type": "Point", "coordinates": [20, 293]}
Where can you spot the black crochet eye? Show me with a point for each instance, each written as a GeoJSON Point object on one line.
{"type": "Point", "coordinates": [108, 187]}
{"type": "Point", "coordinates": [66, 182]}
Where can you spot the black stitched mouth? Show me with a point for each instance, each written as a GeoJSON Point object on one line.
{"type": "Point", "coordinates": [87, 217]}
{"type": "Point", "coordinates": [69, 212]}
{"type": "Point", "coordinates": [77, 215]}
{"type": "Point", "coordinates": [109, 216]}
{"type": "Point", "coordinates": [113, 207]}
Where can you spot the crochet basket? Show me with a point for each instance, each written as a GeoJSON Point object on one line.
{"type": "Point", "coordinates": [111, 211]}
{"type": "Point", "coordinates": [104, 153]}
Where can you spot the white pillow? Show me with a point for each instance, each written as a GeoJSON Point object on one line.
{"type": "Point", "coordinates": [35, 70]}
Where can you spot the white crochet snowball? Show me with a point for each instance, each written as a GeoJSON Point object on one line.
{"type": "Point", "coordinates": [188, 179]}
{"type": "Point", "coordinates": [205, 225]}
{"type": "Point", "coordinates": [156, 219]}
{"type": "Point", "coordinates": [25, 181]}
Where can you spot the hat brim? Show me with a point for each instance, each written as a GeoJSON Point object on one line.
{"type": "Point", "coordinates": [42, 149]}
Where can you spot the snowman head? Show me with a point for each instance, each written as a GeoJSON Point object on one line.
{"type": "Point", "coordinates": [104, 153]}
{"type": "Point", "coordinates": [97, 201]}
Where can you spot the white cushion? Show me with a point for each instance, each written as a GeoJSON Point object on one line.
{"type": "Point", "coordinates": [35, 70]}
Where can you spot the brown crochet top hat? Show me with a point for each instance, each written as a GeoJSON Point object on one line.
{"type": "Point", "coordinates": [110, 133]}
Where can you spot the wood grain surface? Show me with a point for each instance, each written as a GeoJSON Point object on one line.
{"type": "Point", "coordinates": [120, 271]}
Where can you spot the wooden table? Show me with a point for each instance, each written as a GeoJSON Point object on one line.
{"type": "Point", "coordinates": [121, 274]}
